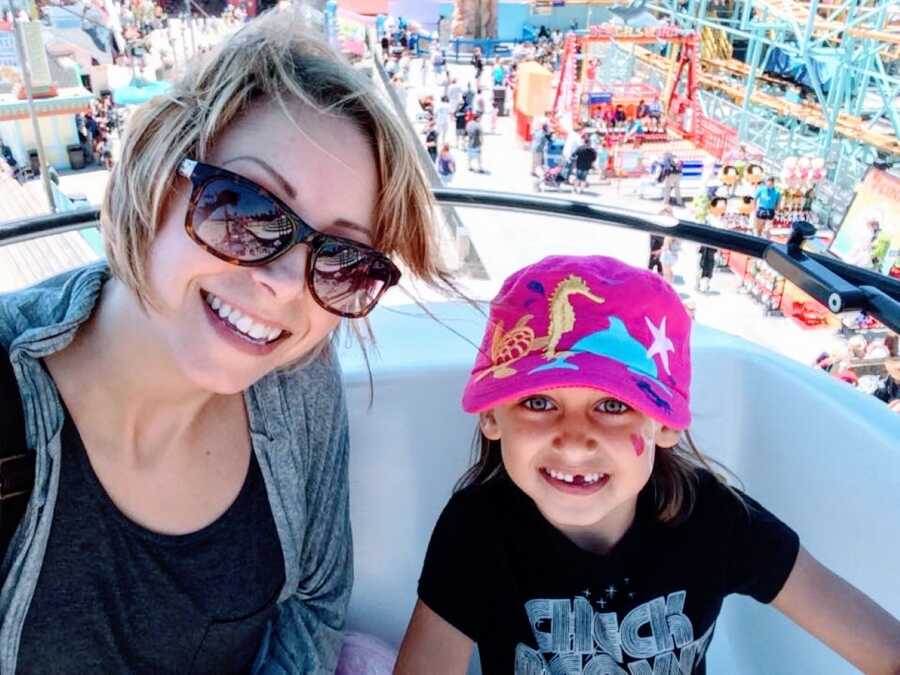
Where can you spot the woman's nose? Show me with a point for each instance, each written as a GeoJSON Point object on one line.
{"type": "Point", "coordinates": [284, 277]}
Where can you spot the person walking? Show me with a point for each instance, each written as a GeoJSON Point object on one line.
{"type": "Point", "coordinates": [498, 74]}
{"type": "Point", "coordinates": [656, 248]}
{"type": "Point", "coordinates": [707, 262]}
{"type": "Point", "coordinates": [442, 118]}
{"type": "Point", "coordinates": [454, 93]}
{"type": "Point", "coordinates": [767, 198]}
{"type": "Point", "coordinates": [539, 141]}
{"type": "Point", "coordinates": [669, 257]}
{"type": "Point", "coordinates": [446, 164]}
{"type": "Point", "coordinates": [475, 140]}
{"type": "Point", "coordinates": [477, 62]}
{"type": "Point", "coordinates": [431, 140]}
{"type": "Point", "coordinates": [460, 128]}
{"type": "Point", "coordinates": [670, 177]}
{"type": "Point", "coordinates": [584, 157]}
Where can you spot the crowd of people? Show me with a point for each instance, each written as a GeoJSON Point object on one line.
{"type": "Point", "coordinates": [457, 111]}
{"type": "Point", "coordinates": [146, 44]}
{"type": "Point", "coordinates": [99, 130]}
{"type": "Point", "coordinates": [857, 354]}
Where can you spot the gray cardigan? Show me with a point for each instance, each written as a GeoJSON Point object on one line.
{"type": "Point", "coordinates": [298, 427]}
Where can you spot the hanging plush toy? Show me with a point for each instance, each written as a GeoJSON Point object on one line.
{"type": "Point", "coordinates": [755, 174]}
{"type": "Point", "coordinates": [729, 175]}
{"type": "Point", "coordinates": [818, 170]}
{"type": "Point", "coordinates": [718, 205]}
{"type": "Point", "coordinates": [803, 170]}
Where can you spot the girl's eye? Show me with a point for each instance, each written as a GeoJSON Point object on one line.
{"type": "Point", "coordinates": [613, 406]}
{"type": "Point", "coordinates": [538, 404]}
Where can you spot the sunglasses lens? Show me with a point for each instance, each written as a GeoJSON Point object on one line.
{"type": "Point", "coordinates": [238, 222]}
{"type": "Point", "coordinates": [350, 280]}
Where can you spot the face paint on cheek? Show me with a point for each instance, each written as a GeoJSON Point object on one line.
{"type": "Point", "coordinates": [638, 444]}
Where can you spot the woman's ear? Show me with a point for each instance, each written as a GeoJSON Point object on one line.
{"type": "Point", "coordinates": [489, 427]}
{"type": "Point", "coordinates": [667, 437]}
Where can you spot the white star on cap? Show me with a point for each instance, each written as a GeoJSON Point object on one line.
{"type": "Point", "coordinates": [662, 345]}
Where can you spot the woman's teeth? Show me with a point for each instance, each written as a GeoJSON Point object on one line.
{"type": "Point", "coordinates": [576, 479]}
{"type": "Point", "coordinates": [243, 324]}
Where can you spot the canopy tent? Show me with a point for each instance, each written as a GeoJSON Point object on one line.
{"type": "Point", "coordinates": [139, 92]}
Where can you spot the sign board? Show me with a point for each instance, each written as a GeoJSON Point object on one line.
{"type": "Point", "coordinates": [8, 54]}
{"type": "Point", "coordinates": [32, 32]}
{"type": "Point", "coordinates": [877, 199]}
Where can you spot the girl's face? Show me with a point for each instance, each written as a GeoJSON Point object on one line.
{"type": "Point", "coordinates": [581, 454]}
{"type": "Point", "coordinates": [326, 173]}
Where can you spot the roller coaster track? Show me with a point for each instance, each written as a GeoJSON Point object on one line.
{"type": "Point", "coordinates": [849, 126]}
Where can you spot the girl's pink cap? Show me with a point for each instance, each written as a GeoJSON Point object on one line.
{"type": "Point", "coordinates": [587, 321]}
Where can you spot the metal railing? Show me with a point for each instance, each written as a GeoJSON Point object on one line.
{"type": "Point", "coordinates": [837, 285]}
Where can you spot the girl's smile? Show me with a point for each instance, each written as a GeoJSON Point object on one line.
{"type": "Point", "coordinates": [575, 483]}
{"type": "Point", "coordinates": [582, 455]}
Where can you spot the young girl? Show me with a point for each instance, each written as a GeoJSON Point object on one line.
{"type": "Point", "coordinates": [446, 165]}
{"type": "Point", "coordinates": [587, 538]}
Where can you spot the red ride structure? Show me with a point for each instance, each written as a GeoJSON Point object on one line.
{"type": "Point", "coordinates": [679, 100]}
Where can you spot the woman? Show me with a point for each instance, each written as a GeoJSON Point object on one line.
{"type": "Point", "coordinates": [190, 507]}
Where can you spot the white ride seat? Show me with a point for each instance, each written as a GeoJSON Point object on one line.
{"type": "Point", "coordinates": [820, 455]}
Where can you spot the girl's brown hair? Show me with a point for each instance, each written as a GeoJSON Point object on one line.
{"type": "Point", "coordinates": [673, 480]}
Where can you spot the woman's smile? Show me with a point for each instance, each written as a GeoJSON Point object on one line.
{"type": "Point", "coordinates": [241, 330]}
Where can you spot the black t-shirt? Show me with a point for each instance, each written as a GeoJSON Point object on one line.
{"type": "Point", "coordinates": [888, 389]}
{"type": "Point", "coordinates": [527, 595]}
{"type": "Point", "coordinates": [114, 597]}
{"type": "Point", "coordinates": [431, 141]}
{"type": "Point", "coordinates": [584, 158]}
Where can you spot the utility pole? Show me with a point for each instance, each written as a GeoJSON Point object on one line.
{"type": "Point", "coordinates": [478, 13]}
{"type": "Point", "coordinates": [26, 79]}
{"type": "Point", "coordinates": [190, 22]}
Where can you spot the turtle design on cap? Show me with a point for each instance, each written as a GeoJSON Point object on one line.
{"type": "Point", "coordinates": [509, 347]}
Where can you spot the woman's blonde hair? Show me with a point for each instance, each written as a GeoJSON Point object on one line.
{"type": "Point", "coordinates": [273, 58]}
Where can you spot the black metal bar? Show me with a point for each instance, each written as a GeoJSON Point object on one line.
{"type": "Point", "coordinates": [657, 224]}
{"type": "Point", "coordinates": [884, 307]}
{"type": "Point", "coordinates": [41, 226]}
{"type": "Point", "coordinates": [815, 279]}
{"type": "Point", "coordinates": [834, 283]}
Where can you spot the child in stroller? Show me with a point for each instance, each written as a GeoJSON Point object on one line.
{"type": "Point", "coordinates": [555, 177]}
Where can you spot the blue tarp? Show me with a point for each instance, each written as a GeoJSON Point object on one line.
{"type": "Point", "coordinates": [824, 61]}
{"type": "Point", "coordinates": [139, 92]}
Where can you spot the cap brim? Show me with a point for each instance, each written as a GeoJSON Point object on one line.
{"type": "Point", "coordinates": [639, 390]}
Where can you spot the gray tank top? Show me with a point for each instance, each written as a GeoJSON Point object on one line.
{"type": "Point", "coordinates": [114, 597]}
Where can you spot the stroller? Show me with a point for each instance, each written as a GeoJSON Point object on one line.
{"type": "Point", "coordinates": [555, 176]}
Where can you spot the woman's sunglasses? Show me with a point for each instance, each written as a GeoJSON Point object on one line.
{"type": "Point", "coordinates": [240, 222]}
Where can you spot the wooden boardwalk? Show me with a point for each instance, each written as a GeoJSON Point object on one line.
{"type": "Point", "coordinates": [28, 262]}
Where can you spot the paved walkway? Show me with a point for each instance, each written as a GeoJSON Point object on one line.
{"type": "Point", "coordinates": [506, 241]}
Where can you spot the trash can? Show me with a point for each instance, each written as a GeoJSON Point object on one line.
{"type": "Point", "coordinates": [76, 156]}
{"type": "Point", "coordinates": [500, 100]}
{"type": "Point", "coordinates": [34, 162]}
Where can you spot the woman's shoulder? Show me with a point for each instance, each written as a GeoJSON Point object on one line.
{"type": "Point", "coordinates": [63, 300]}
{"type": "Point", "coordinates": [315, 380]}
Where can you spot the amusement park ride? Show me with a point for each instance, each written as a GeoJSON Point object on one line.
{"type": "Point", "coordinates": [845, 55]}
